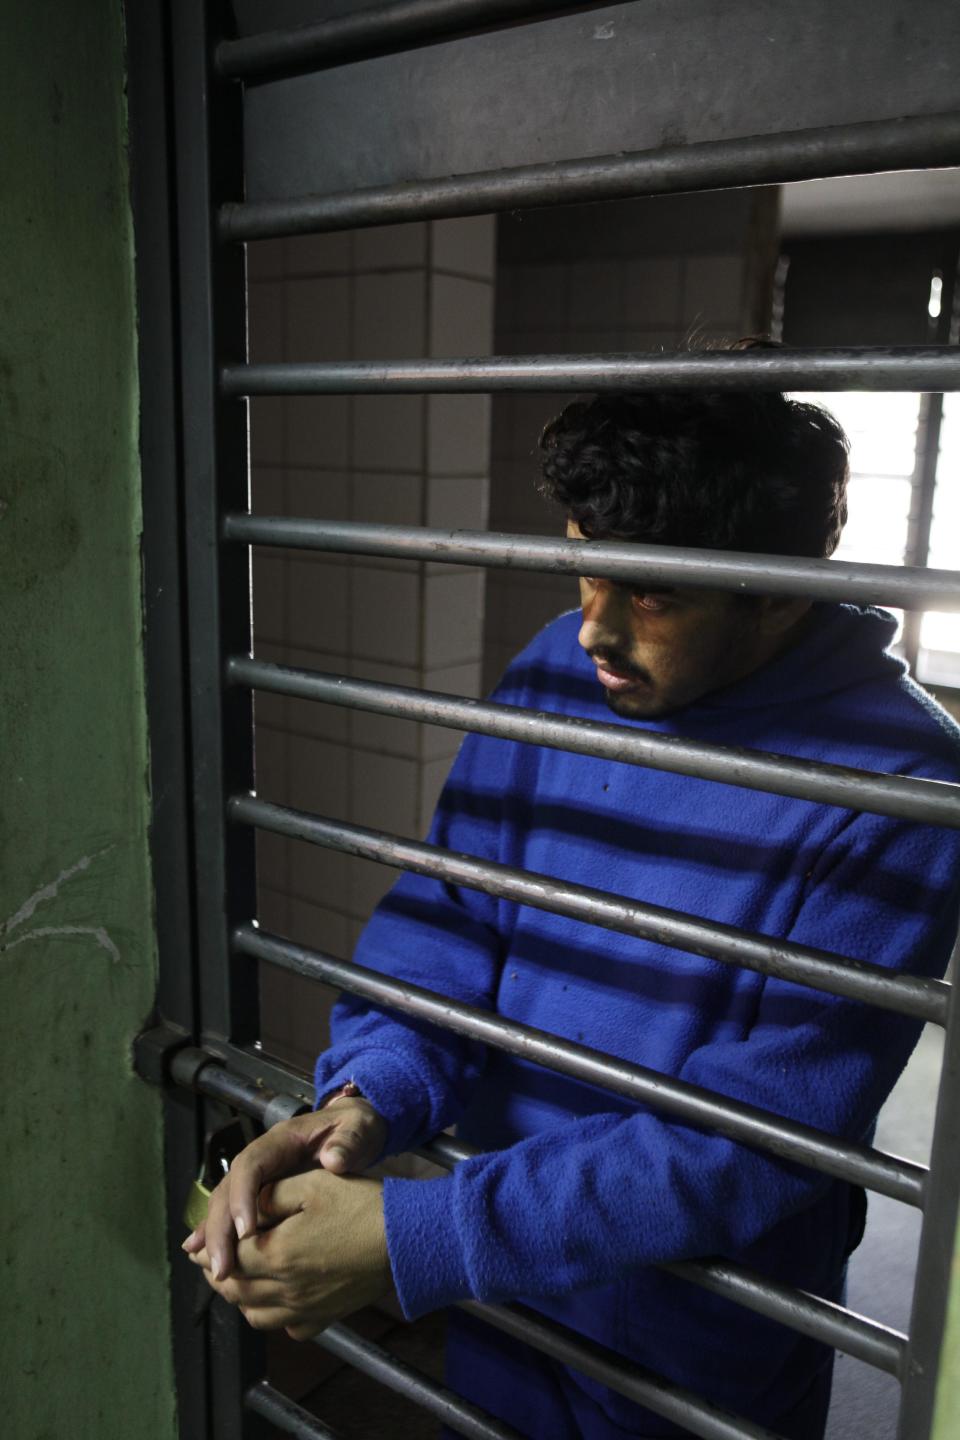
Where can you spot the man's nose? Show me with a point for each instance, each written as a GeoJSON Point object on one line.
{"type": "Point", "coordinates": [606, 614]}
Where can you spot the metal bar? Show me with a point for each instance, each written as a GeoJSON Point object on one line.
{"type": "Point", "coordinates": [932, 801]}
{"type": "Point", "coordinates": [856, 1335]}
{"type": "Point", "coordinates": [213, 325]}
{"type": "Point", "coordinates": [902, 367]}
{"type": "Point", "coordinates": [197, 1070]}
{"type": "Point", "coordinates": [285, 1413]}
{"type": "Point", "coordinates": [616, 560]}
{"type": "Point", "coordinates": [913, 995]}
{"type": "Point", "coordinates": [152, 192]}
{"type": "Point", "coordinates": [812, 154]}
{"type": "Point", "coordinates": [935, 1264]}
{"type": "Point", "coordinates": [642, 1386]}
{"type": "Point", "coordinates": [924, 485]}
{"type": "Point", "coordinates": [747, 1124]}
{"type": "Point", "coordinates": [867, 1340]}
{"type": "Point", "coordinates": [266, 1073]}
{"type": "Point", "coordinates": [350, 37]}
{"type": "Point", "coordinates": [212, 328]}
{"type": "Point", "coordinates": [435, 1399]}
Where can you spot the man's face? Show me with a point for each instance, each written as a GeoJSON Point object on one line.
{"type": "Point", "coordinates": [658, 649]}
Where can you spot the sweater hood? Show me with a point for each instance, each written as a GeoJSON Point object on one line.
{"type": "Point", "coordinates": [840, 646]}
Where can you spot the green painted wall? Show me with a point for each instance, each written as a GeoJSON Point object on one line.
{"type": "Point", "coordinates": [946, 1425]}
{"type": "Point", "coordinates": [86, 1349]}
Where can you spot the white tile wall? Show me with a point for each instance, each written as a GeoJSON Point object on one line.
{"type": "Point", "coordinates": [265, 260]}
{"type": "Point", "coordinates": [318, 776]}
{"type": "Point", "coordinates": [467, 246]}
{"type": "Point", "coordinates": [390, 247]}
{"type": "Point", "coordinates": [318, 254]}
{"type": "Point", "coordinates": [265, 306]}
{"type": "Point", "coordinates": [316, 430]}
{"type": "Point", "coordinates": [318, 494]}
{"type": "Point", "coordinates": [389, 321]}
{"type": "Point", "coordinates": [457, 503]}
{"type": "Point", "coordinates": [317, 874]}
{"type": "Point", "coordinates": [384, 621]}
{"type": "Point", "coordinates": [461, 315]}
{"type": "Point", "coordinates": [397, 292]}
{"type": "Point", "coordinates": [451, 607]}
{"type": "Point", "coordinates": [317, 318]}
{"type": "Point", "coordinates": [458, 434]}
{"type": "Point", "coordinates": [387, 432]}
{"type": "Point", "coordinates": [269, 595]}
{"type": "Point", "coordinates": [318, 600]}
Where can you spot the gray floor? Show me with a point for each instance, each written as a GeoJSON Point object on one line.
{"type": "Point", "coordinates": [881, 1271]}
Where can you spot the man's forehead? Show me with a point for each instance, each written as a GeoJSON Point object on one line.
{"type": "Point", "coordinates": [692, 592]}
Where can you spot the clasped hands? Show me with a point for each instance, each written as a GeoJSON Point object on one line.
{"type": "Point", "coordinates": [293, 1236]}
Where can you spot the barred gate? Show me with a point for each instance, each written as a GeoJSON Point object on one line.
{"type": "Point", "coordinates": [222, 154]}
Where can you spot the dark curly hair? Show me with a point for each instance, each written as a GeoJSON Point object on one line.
{"type": "Point", "coordinates": [720, 471]}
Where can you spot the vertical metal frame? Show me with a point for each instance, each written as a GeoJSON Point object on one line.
{"type": "Point", "coordinates": [934, 1271]}
{"type": "Point", "coordinates": [171, 831]}
{"type": "Point", "coordinates": [212, 323]}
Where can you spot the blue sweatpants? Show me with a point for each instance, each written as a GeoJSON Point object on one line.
{"type": "Point", "coordinates": [541, 1399]}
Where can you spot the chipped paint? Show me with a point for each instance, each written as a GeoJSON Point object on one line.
{"type": "Point", "coordinates": [51, 890]}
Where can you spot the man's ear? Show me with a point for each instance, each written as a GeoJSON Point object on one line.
{"type": "Point", "coordinates": [779, 613]}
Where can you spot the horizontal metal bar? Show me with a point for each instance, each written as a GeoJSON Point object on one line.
{"type": "Point", "coordinates": [912, 589]}
{"type": "Point", "coordinates": [404, 1380]}
{"type": "Point", "coordinates": [932, 801]}
{"type": "Point", "coordinates": [255, 1065]}
{"type": "Point", "coordinates": [642, 1386]}
{"type": "Point", "coordinates": [198, 1070]}
{"type": "Point", "coordinates": [856, 1335]}
{"type": "Point", "coordinates": [905, 367]}
{"type": "Point", "coordinates": [917, 996]}
{"type": "Point", "coordinates": [286, 1414]}
{"type": "Point", "coordinates": [747, 1124]}
{"type": "Point", "coordinates": [349, 37]}
{"type": "Point", "coordinates": [917, 143]}
{"type": "Point", "coordinates": [867, 1340]}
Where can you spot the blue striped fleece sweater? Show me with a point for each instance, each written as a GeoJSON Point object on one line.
{"type": "Point", "coordinates": [581, 1192]}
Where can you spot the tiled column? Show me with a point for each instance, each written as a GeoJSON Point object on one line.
{"type": "Point", "coordinates": [403, 292]}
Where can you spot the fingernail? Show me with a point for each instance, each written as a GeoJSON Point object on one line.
{"type": "Point", "coordinates": [337, 1152]}
{"type": "Point", "coordinates": [215, 1267]}
{"type": "Point", "coordinates": [241, 1226]}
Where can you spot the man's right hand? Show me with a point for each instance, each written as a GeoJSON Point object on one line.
{"type": "Point", "coordinates": [346, 1136]}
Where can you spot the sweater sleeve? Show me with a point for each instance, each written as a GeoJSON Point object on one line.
{"type": "Point", "coordinates": [571, 1208]}
{"type": "Point", "coordinates": [443, 938]}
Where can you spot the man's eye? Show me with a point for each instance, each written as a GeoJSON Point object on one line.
{"type": "Point", "coordinates": [654, 603]}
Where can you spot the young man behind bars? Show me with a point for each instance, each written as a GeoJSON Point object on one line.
{"type": "Point", "coordinates": [581, 1193]}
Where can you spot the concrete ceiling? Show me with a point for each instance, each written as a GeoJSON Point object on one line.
{"type": "Point", "coordinates": [906, 200]}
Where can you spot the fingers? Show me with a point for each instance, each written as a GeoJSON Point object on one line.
{"type": "Point", "coordinates": [196, 1240]}
{"type": "Point", "coordinates": [356, 1136]}
{"type": "Point", "coordinates": [232, 1212]}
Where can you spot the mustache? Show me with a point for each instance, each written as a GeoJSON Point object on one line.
{"type": "Point", "coordinates": [611, 660]}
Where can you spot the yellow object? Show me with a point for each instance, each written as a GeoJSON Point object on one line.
{"type": "Point", "coordinates": [195, 1210]}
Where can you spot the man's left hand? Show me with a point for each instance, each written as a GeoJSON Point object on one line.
{"type": "Point", "coordinates": [325, 1256]}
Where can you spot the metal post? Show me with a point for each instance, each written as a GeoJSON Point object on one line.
{"type": "Point", "coordinates": [207, 128]}
{"type": "Point", "coordinates": [935, 1261]}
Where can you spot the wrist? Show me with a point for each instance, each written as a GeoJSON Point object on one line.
{"type": "Point", "coordinates": [348, 1090]}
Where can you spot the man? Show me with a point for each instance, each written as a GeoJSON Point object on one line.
{"type": "Point", "coordinates": [580, 1193]}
